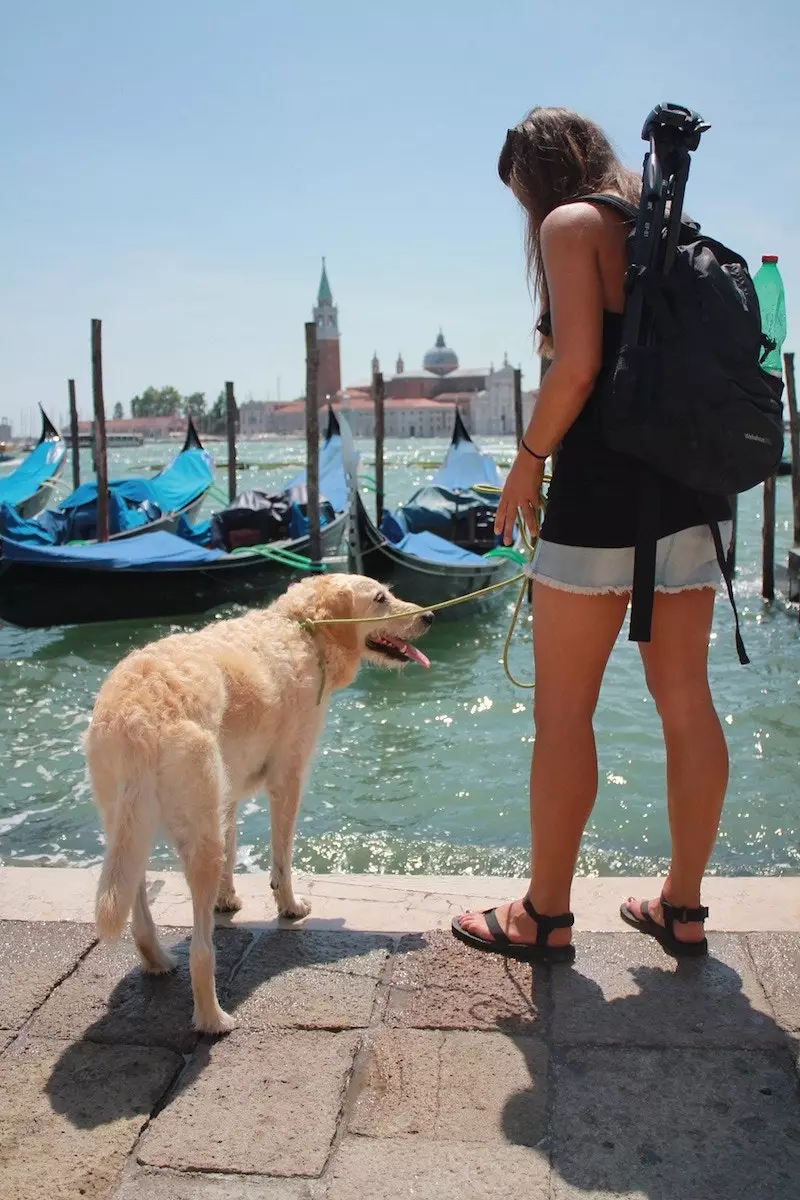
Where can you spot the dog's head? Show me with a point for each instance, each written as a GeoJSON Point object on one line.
{"type": "Point", "coordinates": [386, 627]}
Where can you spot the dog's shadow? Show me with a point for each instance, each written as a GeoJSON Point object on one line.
{"type": "Point", "coordinates": [143, 1025]}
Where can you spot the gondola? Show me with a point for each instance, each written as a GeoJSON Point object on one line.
{"type": "Point", "coordinates": [157, 574]}
{"type": "Point", "coordinates": [135, 505]}
{"type": "Point", "coordinates": [29, 488]}
{"type": "Point", "coordinates": [441, 543]}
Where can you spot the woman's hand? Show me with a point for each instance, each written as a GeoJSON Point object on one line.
{"type": "Point", "coordinates": [521, 492]}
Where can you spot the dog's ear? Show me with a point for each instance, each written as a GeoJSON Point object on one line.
{"type": "Point", "coordinates": [334, 600]}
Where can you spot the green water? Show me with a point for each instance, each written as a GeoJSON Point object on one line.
{"type": "Point", "coordinates": [427, 771]}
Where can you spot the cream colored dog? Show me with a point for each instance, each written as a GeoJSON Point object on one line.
{"type": "Point", "coordinates": [187, 727]}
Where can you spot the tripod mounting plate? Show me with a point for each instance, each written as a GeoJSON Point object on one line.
{"type": "Point", "coordinates": [676, 125]}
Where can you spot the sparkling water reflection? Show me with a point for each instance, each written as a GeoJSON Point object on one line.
{"type": "Point", "coordinates": [427, 771]}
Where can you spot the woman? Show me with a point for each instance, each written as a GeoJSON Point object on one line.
{"type": "Point", "coordinates": [583, 567]}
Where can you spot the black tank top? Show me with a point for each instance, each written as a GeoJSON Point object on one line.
{"type": "Point", "coordinates": [594, 495]}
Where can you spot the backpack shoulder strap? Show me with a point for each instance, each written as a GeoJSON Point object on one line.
{"type": "Point", "coordinates": [631, 211]}
{"type": "Point", "coordinates": [623, 207]}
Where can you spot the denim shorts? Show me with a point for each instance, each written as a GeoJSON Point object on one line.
{"type": "Point", "coordinates": [684, 561]}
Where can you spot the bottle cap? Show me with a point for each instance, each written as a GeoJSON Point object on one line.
{"type": "Point", "coordinates": [769, 258]}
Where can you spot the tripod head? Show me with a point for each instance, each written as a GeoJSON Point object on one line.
{"type": "Point", "coordinates": [673, 131]}
{"type": "Point", "coordinates": [674, 126]}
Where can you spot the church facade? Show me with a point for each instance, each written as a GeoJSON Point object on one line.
{"type": "Point", "coordinates": [418, 403]}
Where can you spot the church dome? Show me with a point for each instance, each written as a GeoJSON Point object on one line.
{"type": "Point", "coordinates": [440, 359]}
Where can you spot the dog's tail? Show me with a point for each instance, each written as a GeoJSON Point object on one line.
{"type": "Point", "coordinates": [131, 828]}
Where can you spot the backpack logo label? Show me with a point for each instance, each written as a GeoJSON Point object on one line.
{"type": "Point", "coordinates": [754, 437]}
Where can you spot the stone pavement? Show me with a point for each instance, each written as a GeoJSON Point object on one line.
{"type": "Point", "coordinates": [367, 1065]}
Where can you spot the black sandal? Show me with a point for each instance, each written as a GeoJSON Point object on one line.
{"type": "Point", "coordinates": [536, 952]}
{"type": "Point", "coordinates": [665, 934]}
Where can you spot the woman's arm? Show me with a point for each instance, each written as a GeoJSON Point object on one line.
{"type": "Point", "coordinates": [570, 257]}
{"type": "Point", "coordinates": [572, 269]}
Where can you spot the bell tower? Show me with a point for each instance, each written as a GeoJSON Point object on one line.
{"type": "Point", "coordinates": [326, 318]}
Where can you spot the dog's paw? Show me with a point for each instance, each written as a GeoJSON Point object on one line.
{"type": "Point", "coordinates": [228, 903]}
{"type": "Point", "coordinates": [216, 1023]}
{"type": "Point", "coordinates": [161, 964]}
{"type": "Point", "coordinates": [298, 908]}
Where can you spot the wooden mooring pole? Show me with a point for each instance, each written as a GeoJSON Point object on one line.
{"type": "Point", "coordinates": [518, 428]}
{"type": "Point", "coordinates": [794, 437]}
{"type": "Point", "coordinates": [768, 541]}
{"type": "Point", "coordinates": [74, 435]}
{"type": "Point", "coordinates": [378, 396]}
{"type": "Point", "coordinates": [230, 428]}
{"type": "Point", "coordinates": [99, 437]}
{"type": "Point", "coordinates": [312, 443]}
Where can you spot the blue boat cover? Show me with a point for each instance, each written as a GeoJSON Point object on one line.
{"type": "Point", "coordinates": [435, 549]}
{"type": "Point", "coordinates": [146, 552]}
{"type": "Point", "coordinates": [464, 466]}
{"type": "Point", "coordinates": [132, 503]}
{"type": "Point", "coordinates": [40, 465]}
{"type": "Point", "coordinates": [187, 476]}
{"type": "Point", "coordinates": [332, 480]}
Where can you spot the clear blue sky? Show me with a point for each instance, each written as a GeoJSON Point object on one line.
{"type": "Point", "coordinates": [179, 168]}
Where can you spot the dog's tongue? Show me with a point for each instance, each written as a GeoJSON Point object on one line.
{"type": "Point", "coordinates": [413, 653]}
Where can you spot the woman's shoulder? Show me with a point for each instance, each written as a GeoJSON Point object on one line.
{"type": "Point", "coordinates": [571, 226]}
{"type": "Point", "coordinates": [579, 216]}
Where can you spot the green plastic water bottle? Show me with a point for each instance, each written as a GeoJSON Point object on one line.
{"type": "Point", "coordinates": [772, 302]}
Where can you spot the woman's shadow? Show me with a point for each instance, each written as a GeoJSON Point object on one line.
{"type": "Point", "coordinates": [682, 1091]}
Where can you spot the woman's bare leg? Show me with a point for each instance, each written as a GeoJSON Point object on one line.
{"type": "Point", "coordinates": [573, 635]}
{"type": "Point", "coordinates": [676, 666]}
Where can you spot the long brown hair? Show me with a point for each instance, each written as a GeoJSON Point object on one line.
{"type": "Point", "coordinates": [554, 156]}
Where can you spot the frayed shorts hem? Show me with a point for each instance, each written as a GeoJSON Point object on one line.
{"type": "Point", "coordinates": [577, 590]}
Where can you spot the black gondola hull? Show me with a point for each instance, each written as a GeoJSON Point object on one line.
{"type": "Point", "coordinates": [39, 596]}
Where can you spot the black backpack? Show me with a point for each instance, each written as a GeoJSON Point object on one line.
{"type": "Point", "coordinates": [688, 396]}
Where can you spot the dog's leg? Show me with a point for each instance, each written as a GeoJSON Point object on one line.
{"type": "Point", "coordinates": [227, 900]}
{"type": "Point", "coordinates": [192, 790]}
{"type": "Point", "coordinates": [155, 958]}
{"type": "Point", "coordinates": [284, 801]}
{"type": "Point", "coordinates": [203, 874]}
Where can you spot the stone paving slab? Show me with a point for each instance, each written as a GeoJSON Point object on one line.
{"type": "Point", "coordinates": [110, 999]}
{"type": "Point", "coordinates": [255, 1103]}
{"type": "Point", "coordinates": [438, 983]}
{"type": "Point", "coordinates": [374, 1169]}
{"type": "Point", "coordinates": [309, 980]}
{"type": "Point", "coordinates": [34, 956]}
{"type": "Point", "coordinates": [674, 1125]}
{"type": "Point", "coordinates": [145, 1184]}
{"type": "Point", "coordinates": [777, 959]}
{"type": "Point", "coordinates": [633, 994]}
{"type": "Point", "coordinates": [71, 1113]}
{"type": "Point", "coordinates": [450, 1086]}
